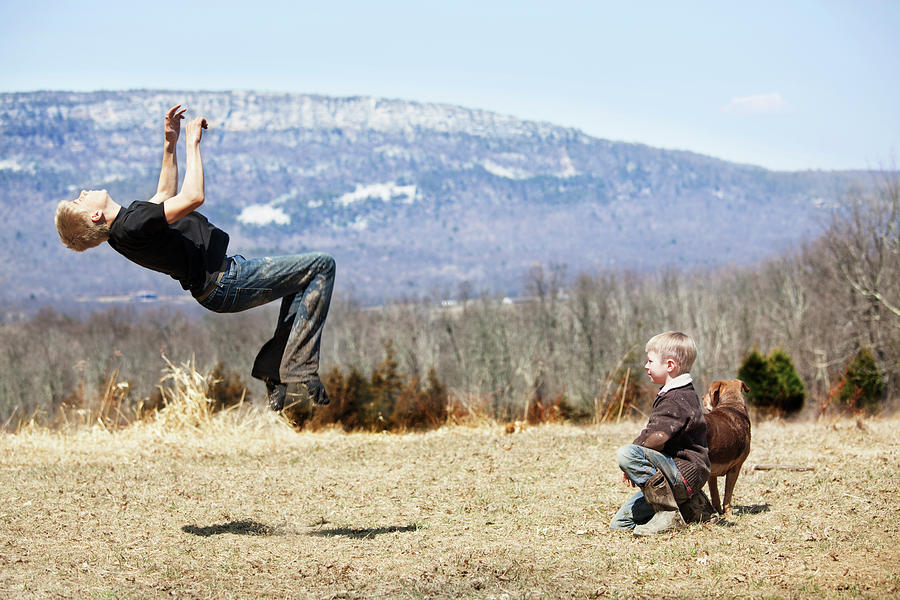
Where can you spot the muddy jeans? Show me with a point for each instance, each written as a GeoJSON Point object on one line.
{"type": "Point", "coordinates": [303, 282]}
{"type": "Point", "coordinates": [639, 464]}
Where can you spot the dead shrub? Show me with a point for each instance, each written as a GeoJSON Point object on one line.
{"type": "Point", "coordinates": [551, 410]}
{"type": "Point", "coordinates": [418, 408]}
{"type": "Point", "coordinates": [349, 408]}
{"type": "Point", "coordinates": [386, 401]}
{"type": "Point", "coordinates": [541, 409]}
{"type": "Point", "coordinates": [112, 409]}
{"type": "Point", "coordinates": [385, 384]}
{"type": "Point", "coordinates": [152, 403]}
{"type": "Point", "coordinates": [186, 401]}
{"type": "Point", "coordinates": [226, 388]}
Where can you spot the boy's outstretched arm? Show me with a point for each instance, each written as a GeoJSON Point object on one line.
{"type": "Point", "coordinates": [168, 174]}
{"type": "Point", "coordinates": [191, 195]}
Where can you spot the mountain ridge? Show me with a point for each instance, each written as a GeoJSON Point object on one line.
{"type": "Point", "coordinates": [409, 197]}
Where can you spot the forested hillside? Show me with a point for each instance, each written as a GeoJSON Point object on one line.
{"type": "Point", "coordinates": [411, 198]}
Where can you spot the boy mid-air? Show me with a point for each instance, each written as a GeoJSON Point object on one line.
{"type": "Point", "coordinates": [166, 234]}
{"type": "Point", "coordinates": [669, 459]}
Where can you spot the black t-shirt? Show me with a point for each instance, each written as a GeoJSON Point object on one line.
{"type": "Point", "coordinates": [191, 249]}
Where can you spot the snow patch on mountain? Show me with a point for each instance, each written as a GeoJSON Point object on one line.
{"type": "Point", "coordinates": [263, 214]}
{"type": "Point", "coordinates": [505, 172]}
{"type": "Point", "coordinates": [568, 168]}
{"type": "Point", "coordinates": [386, 192]}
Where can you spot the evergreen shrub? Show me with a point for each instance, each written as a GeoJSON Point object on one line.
{"type": "Point", "coordinates": [862, 386]}
{"type": "Point", "coordinates": [773, 382]}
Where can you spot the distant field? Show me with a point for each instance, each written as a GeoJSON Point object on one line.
{"type": "Point", "coordinates": [247, 508]}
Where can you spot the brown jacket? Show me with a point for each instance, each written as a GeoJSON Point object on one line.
{"type": "Point", "coordinates": [677, 413]}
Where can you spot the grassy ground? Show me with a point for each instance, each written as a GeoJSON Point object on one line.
{"type": "Point", "coordinates": [246, 508]}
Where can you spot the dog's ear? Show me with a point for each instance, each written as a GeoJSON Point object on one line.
{"type": "Point", "coordinates": [744, 386]}
{"type": "Point", "coordinates": [715, 395]}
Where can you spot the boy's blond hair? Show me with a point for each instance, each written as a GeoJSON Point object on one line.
{"type": "Point", "coordinates": [76, 229]}
{"type": "Point", "coordinates": [677, 346]}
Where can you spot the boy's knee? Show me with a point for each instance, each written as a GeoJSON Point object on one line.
{"type": "Point", "coordinates": [327, 263]}
{"type": "Point", "coordinates": [627, 454]}
{"type": "Point", "coordinates": [617, 522]}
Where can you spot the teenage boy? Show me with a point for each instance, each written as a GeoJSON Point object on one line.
{"type": "Point", "coordinates": [166, 234]}
{"type": "Point", "coordinates": [669, 460]}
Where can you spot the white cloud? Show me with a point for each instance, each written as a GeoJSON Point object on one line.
{"type": "Point", "coordinates": [12, 165]}
{"type": "Point", "coordinates": [359, 224]}
{"type": "Point", "coordinates": [263, 214]}
{"type": "Point", "coordinates": [757, 104]}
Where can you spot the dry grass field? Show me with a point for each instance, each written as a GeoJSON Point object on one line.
{"type": "Point", "coordinates": [244, 507]}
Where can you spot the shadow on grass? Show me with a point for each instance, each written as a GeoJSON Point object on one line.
{"type": "Point", "coordinates": [236, 527]}
{"type": "Point", "coordinates": [362, 533]}
{"type": "Point", "coordinates": [753, 509]}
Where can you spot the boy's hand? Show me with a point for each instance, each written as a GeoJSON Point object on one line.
{"type": "Point", "coordinates": [628, 481]}
{"type": "Point", "coordinates": [194, 130]}
{"type": "Point", "coordinates": [173, 123]}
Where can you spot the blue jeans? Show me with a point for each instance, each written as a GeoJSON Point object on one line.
{"type": "Point", "coordinates": [303, 282]}
{"type": "Point", "coordinates": [639, 464]}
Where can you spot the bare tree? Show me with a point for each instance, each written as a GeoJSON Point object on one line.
{"type": "Point", "coordinates": [863, 240]}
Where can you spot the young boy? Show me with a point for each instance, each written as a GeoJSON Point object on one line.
{"type": "Point", "coordinates": [669, 460]}
{"type": "Point", "coordinates": [165, 234]}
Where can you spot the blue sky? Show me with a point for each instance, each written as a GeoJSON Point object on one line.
{"type": "Point", "coordinates": [785, 85]}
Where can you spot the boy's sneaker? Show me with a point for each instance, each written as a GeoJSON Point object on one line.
{"type": "Point", "coordinates": [275, 394]}
{"type": "Point", "coordinates": [312, 388]}
{"type": "Point", "coordinates": [316, 391]}
{"type": "Point", "coordinates": [658, 494]}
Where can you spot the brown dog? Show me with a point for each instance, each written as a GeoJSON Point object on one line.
{"type": "Point", "coordinates": [727, 435]}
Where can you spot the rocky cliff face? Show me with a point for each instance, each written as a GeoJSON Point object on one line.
{"type": "Point", "coordinates": [408, 197]}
